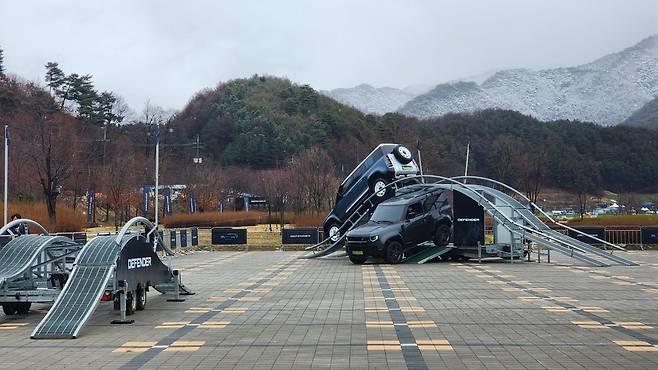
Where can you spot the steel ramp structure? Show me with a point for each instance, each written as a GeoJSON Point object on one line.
{"type": "Point", "coordinates": [21, 253]}
{"type": "Point", "coordinates": [99, 265]}
{"type": "Point", "coordinates": [537, 224]}
{"type": "Point", "coordinates": [80, 296]}
{"type": "Point", "coordinates": [428, 253]}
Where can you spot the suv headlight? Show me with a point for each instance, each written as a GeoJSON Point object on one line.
{"type": "Point", "coordinates": [374, 238]}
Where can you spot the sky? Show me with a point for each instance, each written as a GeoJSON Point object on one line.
{"type": "Point", "coordinates": [166, 51]}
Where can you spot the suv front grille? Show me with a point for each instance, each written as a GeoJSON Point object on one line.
{"type": "Point", "coordinates": [357, 239]}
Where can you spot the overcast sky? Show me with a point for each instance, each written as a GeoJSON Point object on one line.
{"type": "Point", "coordinates": [166, 51]}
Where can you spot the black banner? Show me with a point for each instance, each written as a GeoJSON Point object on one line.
{"type": "Point", "coordinates": [649, 235]}
{"type": "Point", "coordinates": [183, 238]}
{"type": "Point", "coordinates": [598, 232]}
{"type": "Point", "coordinates": [172, 239]}
{"type": "Point", "coordinates": [224, 236]}
{"type": "Point", "coordinates": [80, 238]}
{"type": "Point", "coordinates": [299, 236]}
{"type": "Point", "coordinates": [138, 263]}
{"type": "Point", "coordinates": [468, 218]}
{"type": "Point", "coordinates": [195, 236]}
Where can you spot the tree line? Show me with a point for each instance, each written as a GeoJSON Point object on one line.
{"type": "Point", "coordinates": [287, 143]}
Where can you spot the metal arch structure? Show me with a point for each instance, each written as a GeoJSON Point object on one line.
{"type": "Point", "coordinates": [537, 232]}
{"type": "Point", "coordinates": [98, 268]}
{"type": "Point", "coordinates": [149, 228]}
{"type": "Point", "coordinates": [535, 206]}
{"type": "Point", "coordinates": [34, 269]}
{"type": "Point", "coordinates": [6, 230]}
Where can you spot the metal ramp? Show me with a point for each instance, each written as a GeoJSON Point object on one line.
{"type": "Point", "coordinates": [80, 296]}
{"type": "Point", "coordinates": [99, 266]}
{"type": "Point", "coordinates": [20, 253]}
{"type": "Point", "coordinates": [537, 224]}
{"type": "Point", "coordinates": [427, 254]}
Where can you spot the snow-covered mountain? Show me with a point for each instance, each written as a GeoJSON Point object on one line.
{"type": "Point", "coordinates": [369, 99]}
{"type": "Point", "coordinates": [606, 91]}
{"type": "Point", "coordinates": [646, 117]}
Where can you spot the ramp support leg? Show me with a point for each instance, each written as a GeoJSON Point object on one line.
{"type": "Point", "coordinates": [549, 255]}
{"type": "Point", "coordinates": [177, 297]}
{"type": "Point", "coordinates": [479, 252]}
{"type": "Point", "coordinates": [123, 288]}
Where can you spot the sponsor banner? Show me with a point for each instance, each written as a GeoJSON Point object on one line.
{"type": "Point", "coordinates": [649, 235]}
{"type": "Point", "coordinates": [468, 218]}
{"type": "Point", "coordinates": [191, 201]}
{"type": "Point", "coordinates": [195, 236]}
{"type": "Point", "coordinates": [91, 205]}
{"type": "Point", "coordinates": [80, 238]}
{"type": "Point", "coordinates": [172, 239]}
{"type": "Point", "coordinates": [598, 232]}
{"type": "Point", "coordinates": [167, 202]}
{"type": "Point", "coordinates": [300, 236]}
{"type": "Point", "coordinates": [224, 236]}
{"type": "Point", "coordinates": [183, 238]}
{"type": "Point", "coordinates": [145, 200]}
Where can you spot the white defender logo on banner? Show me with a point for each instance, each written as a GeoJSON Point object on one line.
{"type": "Point", "coordinates": [135, 263]}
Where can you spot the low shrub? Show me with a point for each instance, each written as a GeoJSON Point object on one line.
{"type": "Point", "coordinates": [616, 220]}
{"type": "Point", "coordinates": [214, 219]}
{"type": "Point", "coordinates": [310, 220]}
{"type": "Point", "coordinates": [67, 220]}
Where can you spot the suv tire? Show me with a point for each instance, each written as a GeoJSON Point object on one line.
{"type": "Point", "coordinates": [394, 252]}
{"type": "Point", "coordinates": [332, 225]}
{"type": "Point", "coordinates": [379, 188]}
{"type": "Point", "coordinates": [402, 154]}
{"type": "Point", "coordinates": [442, 235]}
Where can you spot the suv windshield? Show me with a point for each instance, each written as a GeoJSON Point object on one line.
{"type": "Point", "coordinates": [385, 213]}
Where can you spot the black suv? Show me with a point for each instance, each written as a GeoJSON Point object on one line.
{"type": "Point", "coordinates": [401, 223]}
{"type": "Point", "coordinates": [383, 165]}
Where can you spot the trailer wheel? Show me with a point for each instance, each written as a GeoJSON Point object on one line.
{"type": "Point", "coordinates": [131, 303]}
{"type": "Point", "coordinates": [9, 309]}
{"type": "Point", "coordinates": [23, 308]}
{"type": "Point", "coordinates": [140, 298]}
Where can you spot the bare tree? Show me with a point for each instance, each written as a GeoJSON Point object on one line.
{"type": "Point", "coordinates": [55, 149]}
{"type": "Point", "coordinates": [314, 179]}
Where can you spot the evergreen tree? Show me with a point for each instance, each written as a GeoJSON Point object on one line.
{"type": "Point", "coordinates": [55, 78]}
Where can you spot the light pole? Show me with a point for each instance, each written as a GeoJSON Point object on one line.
{"type": "Point", "coordinates": [6, 190]}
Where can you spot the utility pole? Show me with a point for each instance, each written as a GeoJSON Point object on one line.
{"type": "Point", "coordinates": [197, 158]}
{"type": "Point", "coordinates": [104, 141]}
{"type": "Point", "coordinates": [6, 189]}
{"type": "Point", "coordinates": [157, 172]}
{"type": "Point", "coordinates": [468, 152]}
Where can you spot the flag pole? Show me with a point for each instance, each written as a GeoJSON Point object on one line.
{"type": "Point", "coordinates": [6, 190]}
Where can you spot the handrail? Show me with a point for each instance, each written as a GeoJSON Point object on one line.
{"type": "Point", "coordinates": [7, 228]}
{"type": "Point", "coordinates": [541, 210]}
{"type": "Point", "coordinates": [150, 228]}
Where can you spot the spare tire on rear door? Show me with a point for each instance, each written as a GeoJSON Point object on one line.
{"type": "Point", "coordinates": [402, 154]}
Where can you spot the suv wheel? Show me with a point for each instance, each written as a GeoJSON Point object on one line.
{"type": "Point", "coordinates": [402, 154]}
{"type": "Point", "coordinates": [379, 188]}
{"type": "Point", "coordinates": [333, 232]}
{"type": "Point", "coordinates": [394, 252]}
{"type": "Point", "coordinates": [442, 235]}
{"type": "Point", "coordinates": [140, 301]}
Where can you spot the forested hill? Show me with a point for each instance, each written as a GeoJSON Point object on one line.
{"type": "Point", "coordinates": [263, 121]}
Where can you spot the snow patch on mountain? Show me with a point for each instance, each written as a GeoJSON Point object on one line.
{"type": "Point", "coordinates": [606, 91]}
{"type": "Point", "coordinates": [369, 99]}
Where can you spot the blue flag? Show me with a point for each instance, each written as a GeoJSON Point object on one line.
{"type": "Point", "coordinates": [157, 135]}
{"type": "Point", "coordinates": [7, 137]}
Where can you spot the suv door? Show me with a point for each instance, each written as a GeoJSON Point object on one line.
{"type": "Point", "coordinates": [415, 224]}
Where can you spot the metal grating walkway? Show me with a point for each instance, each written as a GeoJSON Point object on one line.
{"type": "Point", "coordinates": [82, 292]}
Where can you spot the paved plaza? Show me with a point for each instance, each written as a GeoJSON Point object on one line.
{"type": "Point", "coordinates": [261, 310]}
